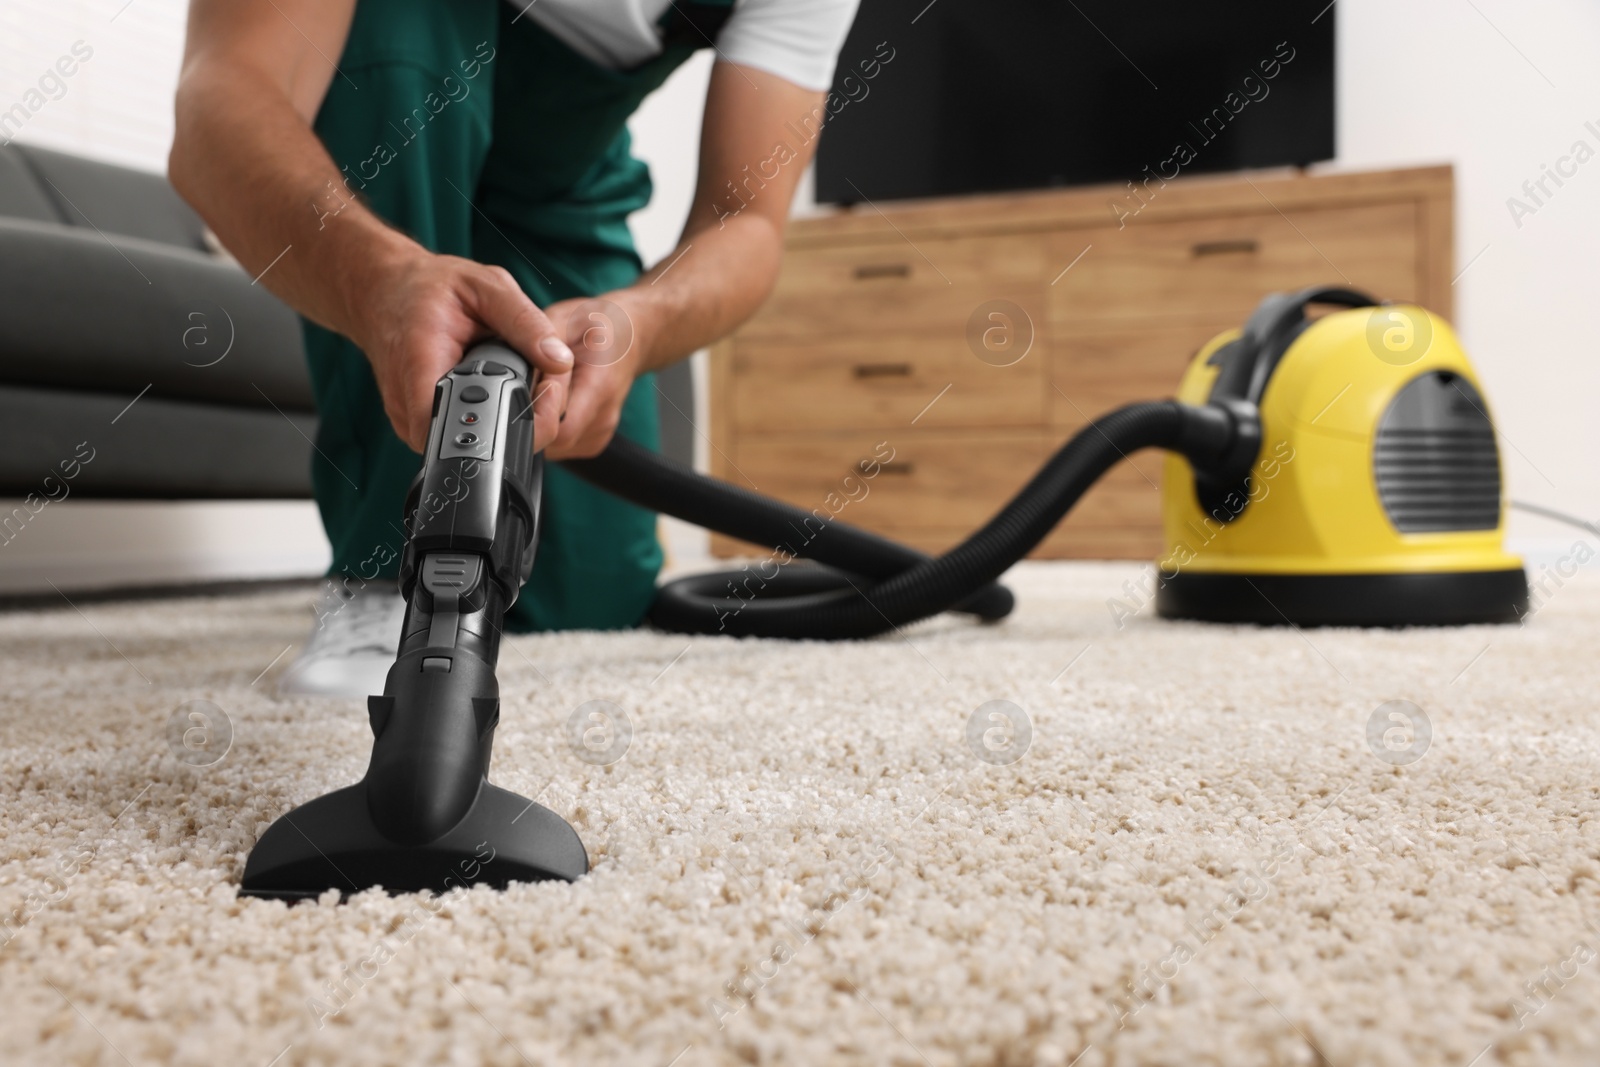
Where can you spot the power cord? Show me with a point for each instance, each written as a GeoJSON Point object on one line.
{"type": "Point", "coordinates": [1558, 516]}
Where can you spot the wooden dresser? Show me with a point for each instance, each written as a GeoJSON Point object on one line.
{"type": "Point", "coordinates": [974, 336]}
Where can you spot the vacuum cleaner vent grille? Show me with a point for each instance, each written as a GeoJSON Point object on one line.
{"type": "Point", "coordinates": [1435, 458]}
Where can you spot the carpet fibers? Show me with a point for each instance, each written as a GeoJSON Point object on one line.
{"type": "Point", "coordinates": [1079, 837]}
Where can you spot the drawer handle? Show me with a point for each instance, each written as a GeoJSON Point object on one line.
{"type": "Point", "coordinates": [1247, 245]}
{"type": "Point", "coordinates": [882, 370]}
{"type": "Point", "coordinates": [868, 271]}
{"type": "Point", "coordinates": [897, 466]}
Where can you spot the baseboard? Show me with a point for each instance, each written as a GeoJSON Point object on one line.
{"type": "Point", "coordinates": [91, 545]}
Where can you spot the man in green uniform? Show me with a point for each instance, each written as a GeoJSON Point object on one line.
{"type": "Point", "coordinates": [414, 175]}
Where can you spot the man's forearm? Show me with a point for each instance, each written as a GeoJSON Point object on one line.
{"type": "Point", "coordinates": [257, 174]}
{"type": "Point", "coordinates": [715, 279]}
{"type": "Point", "coordinates": [255, 75]}
{"type": "Point", "coordinates": [727, 261]}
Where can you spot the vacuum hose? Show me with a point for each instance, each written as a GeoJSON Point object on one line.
{"type": "Point", "coordinates": [869, 585]}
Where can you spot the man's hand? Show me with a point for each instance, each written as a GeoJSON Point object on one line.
{"type": "Point", "coordinates": [426, 310]}
{"type": "Point", "coordinates": [608, 337]}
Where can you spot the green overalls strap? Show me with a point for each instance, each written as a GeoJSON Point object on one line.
{"type": "Point", "coordinates": [480, 135]}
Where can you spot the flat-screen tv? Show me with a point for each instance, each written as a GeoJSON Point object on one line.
{"type": "Point", "coordinates": [967, 96]}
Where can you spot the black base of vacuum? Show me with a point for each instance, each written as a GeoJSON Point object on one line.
{"type": "Point", "coordinates": [331, 843]}
{"type": "Point", "coordinates": [1449, 598]}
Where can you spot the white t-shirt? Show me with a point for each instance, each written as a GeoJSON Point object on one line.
{"type": "Point", "coordinates": [798, 40]}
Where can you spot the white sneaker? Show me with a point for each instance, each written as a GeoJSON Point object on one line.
{"type": "Point", "coordinates": [352, 646]}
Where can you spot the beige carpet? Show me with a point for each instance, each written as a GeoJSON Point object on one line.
{"type": "Point", "coordinates": [801, 859]}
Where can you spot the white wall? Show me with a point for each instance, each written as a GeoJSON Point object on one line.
{"type": "Point", "coordinates": [117, 105]}
{"type": "Point", "coordinates": [1499, 89]}
{"type": "Point", "coordinates": [1494, 87]}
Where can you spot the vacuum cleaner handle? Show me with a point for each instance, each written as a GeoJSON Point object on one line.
{"type": "Point", "coordinates": [472, 521]}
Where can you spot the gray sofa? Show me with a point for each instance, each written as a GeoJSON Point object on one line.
{"type": "Point", "coordinates": [124, 339]}
{"type": "Point", "coordinates": [109, 295]}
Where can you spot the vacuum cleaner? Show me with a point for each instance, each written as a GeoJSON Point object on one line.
{"type": "Point", "coordinates": [1377, 500]}
{"type": "Point", "coordinates": [1337, 470]}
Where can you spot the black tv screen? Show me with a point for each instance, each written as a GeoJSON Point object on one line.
{"type": "Point", "coordinates": [966, 96]}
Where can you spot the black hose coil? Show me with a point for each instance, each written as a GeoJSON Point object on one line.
{"type": "Point", "coordinates": [870, 585]}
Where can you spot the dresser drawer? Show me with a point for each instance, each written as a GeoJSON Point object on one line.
{"type": "Point", "coordinates": [938, 489]}
{"type": "Point", "coordinates": [1120, 518]}
{"type": "Point", "coordinates": [877, 289]}
{"type": "Point", "coordinates": [1094, 371]}
{"type": "Point", "coordinates": [929, 380]}
{"type": "Point", "coordinates": [935, 541]}
{"type": "Point", "coordinates": [1072, 540]}
{"type": "Point", "coordinates": [1218, 269]}
{"type": "Point", "coordinates": [933, 481]}
{"type": "Point", "coordinates": [1091, 373]}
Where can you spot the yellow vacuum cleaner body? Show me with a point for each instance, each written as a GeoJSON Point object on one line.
{"type": "Point", "coordinates": [1376, 498]}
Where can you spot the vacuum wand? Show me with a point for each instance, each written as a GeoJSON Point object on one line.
{"type": "Point", "coordinates": [469, 547]}
{"type": "Point", "coordinates": [425, 815]}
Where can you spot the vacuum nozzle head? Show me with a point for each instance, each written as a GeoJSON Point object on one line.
{"type": "Point", "coordinates": [332, 843]}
